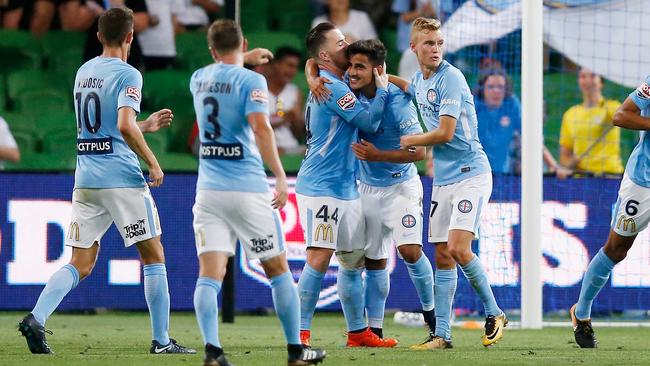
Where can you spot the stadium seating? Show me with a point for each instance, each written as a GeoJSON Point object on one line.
{"type": "Point", "coordinates": [22, 81]}
{"type": "Point", "coordinates": [273, 40]}
{"type": "Point", "coordinates": [45, 101]}
{"type": "Point", "coordinates": [192, 50]}
{"type": "Point", "coordinates": [18, 50]}
{"type": "Point", "coordinates": [3, 94]}
{"type": "Point", "coordinates": [163, 88]}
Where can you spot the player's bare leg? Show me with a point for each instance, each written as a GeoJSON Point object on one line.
{"type": "Point", "coordinates": [156, 292]}
{"type": "Point", "coordinates": [63, 281]}
{"type": "Point", "coordinates": [287, 308]}
{"type": "Point", "coordinates": [598, 272]}
{"type": "Point", "coordinates": [309, 285]}
{"type": "Point", "coordinates": [459, 247]}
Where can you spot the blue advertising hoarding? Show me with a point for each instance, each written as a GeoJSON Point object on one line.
{"type": "Point", "coordinates": [35, 212]}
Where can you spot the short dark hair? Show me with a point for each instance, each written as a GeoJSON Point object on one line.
{"type": "Point", "coordinates": [485, 74]}
{"type": "Point", "coordinates": [316, 38]}
{"type": "Point", "coordinates": [114, 25]}
{"type": "Point", "coordinates": [374, 49]}
{"type": "Point", "coordinates": [225, 35]}
{"type": "Point", "coordinates": [286, 51]}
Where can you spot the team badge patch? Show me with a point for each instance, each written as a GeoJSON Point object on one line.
{"type": "Point", "coordinates": [464, 206]}
{"type": "Point", "coordinates": [347, 101]}
{"type": "Point", "coordinates": [643, 91]}
{"type": "Point", "coordinates": [431, 96]}
{"type": "Point", "coordinates": [259, 96]}
{"type": "Point", "coordinates": [408, 221]}
{"type": "Point", "coordinates": [133, 93]}
{"type": "Point", "coordinates": [505, 121]}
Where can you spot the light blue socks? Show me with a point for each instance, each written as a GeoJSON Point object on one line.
{"type": "Point", "coordinates": [445, 289]}
{"type": "Point", "coordinates": [287, 305]}
{"type": "Point", "coordinates": [377, 286]}
{"type": "Point", "coordinates": [478, 279]}
{"type": "Point", "coordinates": [206, 307]}
{"type": "Point", "coordinates": [309, 291]}
{"type": "Point", "coordinates": [61, 282]}
{"type": "Point", "coordinates": [421, 275]}
{"type": "Point", "coordinates": [595, 278]}
{"type": "Point", "coordinates": [350, 288]}
{"type": "Point", "coordinates": [156, 293]}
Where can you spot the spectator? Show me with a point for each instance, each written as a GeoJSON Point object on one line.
{"type": "Point", "coordinates": [589, 142]}
{"type": "Point", "coordinates": [69, 15]}
{"type": "Point", "coordinates": [408, 10]}
{"type": "Point", "coordinates": [8, 147]}
{"type": "Point", "coordinates": [285, 101]}
{"type": "Point", "coordinates": [157, 41]}
{"type": "Point", "coordinates": [379, 12]}
{"type": "Point", "coordinates": [11, 11]}
{"type": "Point", "coordinates": [354, 24]}
{"type": "Point", "coordinates": [196, 14]}
{"type": "Point", "coordinates": [140, 22]}
{"type": "Point", "coordinates": [499, 120]}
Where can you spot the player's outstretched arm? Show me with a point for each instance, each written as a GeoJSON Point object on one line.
{"type": "Point", "coordinates": [133, 137]}
{"type": "Point", "coordinates": [403, 84]}
{"type": "Point", "coordinates": [441, 135]}
{"type": "Point", "coordinates": [258, 56]}
{"type": "Point", "coordinates": [628, 115]}
{"type": "Point", "coordinates": [365, 150]}
{"type": "Point", "coordinates": [265, 139]}
{"type": "Point", "coordinates": [157, 120]}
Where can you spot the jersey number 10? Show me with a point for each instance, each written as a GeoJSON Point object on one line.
{"type": "Point", "coordinates": [92, 128]}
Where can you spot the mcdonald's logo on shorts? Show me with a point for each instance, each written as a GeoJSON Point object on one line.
{"type": "Point", "coordinates": [326, 231]}
{"type": "Point", "coordinates": [628, 224]}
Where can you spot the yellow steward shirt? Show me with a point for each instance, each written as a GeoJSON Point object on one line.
{"type": "Point", "coordinates": [581, 126]}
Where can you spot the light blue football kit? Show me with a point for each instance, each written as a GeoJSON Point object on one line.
{"type": "Point", "coordinates": [391, 195]}
{"type": "Point", "coordinates": [631, 211]}
{"type": "Point", "coordinates": [462, 182]}
{"type": "Point", "coordinates": [233, 198]}
{"type": "Point", "coordinates": [109, 186]}
{"type": "Point", "coordinates": [328, 199]}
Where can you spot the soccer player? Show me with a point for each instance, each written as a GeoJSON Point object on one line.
{"type": "Point", "coordinates": [391, 190]}
{"type": "Point", "coordinates": [326, 189]}
{"type": "Point", "coordinates": [109, 185]}
{"type": "Point", "coordinates": [462, 181]}
{"type": "Point", "coordinates": [631, 213]}
{"type": "Point", "coordinates": [233, 199]}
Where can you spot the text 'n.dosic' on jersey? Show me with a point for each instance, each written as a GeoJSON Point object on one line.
{"type": "Point", "coordinates": [102, 86]}
{"type": "Point", "coordinates": [224, 95]}
{"type": "Point", "coordinates": [400, 118]}
{"type": "Point", "coordinates": [329, 168]}
{"type": "Point", "coordinates": [446, 93]}
{"type": "Point", "coordinates": [638, 165]}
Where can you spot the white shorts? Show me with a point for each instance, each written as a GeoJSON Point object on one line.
{"type": "Point", "coordinates": [458, 206]}
{"type": "Point", "coordinates": [94, 210]}
{"type": "Point", "coordinates": [331, 223]}
{"type": "Point", "coordinates": [632, 209]}
{"type": "Point", "coordinates": [220, 218]}
{"type": "Point", "coordinates": [392, 214]}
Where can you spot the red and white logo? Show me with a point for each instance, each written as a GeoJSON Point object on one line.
{"type": "Point", "coordinates": [347, 101]}
{"type": "Point", "coordinates": [133, 93]}
{"type": "Point", "coordinates": [259, 95]}
{"type": "Point", "coordinates": [643, 91]}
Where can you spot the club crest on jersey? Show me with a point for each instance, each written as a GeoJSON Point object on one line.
{"type": "Point", "coordinates": [259, 96]}
{"type": "Point", "coordinates": [347, 101]}
{"type": "Point", "coordinates": [408, 221]}
{"type": "Point", "coordinates": [505, 121]}
{"type": "Point", "coordinates": [643, 91]}
{"type": "Point", "coordinates": [464, 206]}
{"type": "Point", "coordinates": [133, 93]}
{"type": "Point", "coordinates": [431, 96]}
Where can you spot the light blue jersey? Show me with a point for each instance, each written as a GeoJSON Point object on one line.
{"type": "Point", "coordinates": [638, 166]}
{"type": "Point", "coordinates": [330, 168]}
{"type": "Point", "coordinates": [224, 95]}
{"type": "Point", "coordinates": [446, 93]}
{"type": "Point", "coordinates": [104, 160]}
{"type": "Point", "coordinates": [400, 118]}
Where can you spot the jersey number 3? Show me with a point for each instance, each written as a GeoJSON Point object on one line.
{"type": "Point", "coordinates": [212, 118]}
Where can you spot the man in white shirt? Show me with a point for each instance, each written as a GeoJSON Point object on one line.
{"type": "Point", "coordinates": [8, 147]}
{"type": "Point", "coordinates": [285, 100]}
{"type": "Point", "coordinates": [157, 41]}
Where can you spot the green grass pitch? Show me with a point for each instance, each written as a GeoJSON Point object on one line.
{"type": "Point", "coordinates": [122, 339]}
